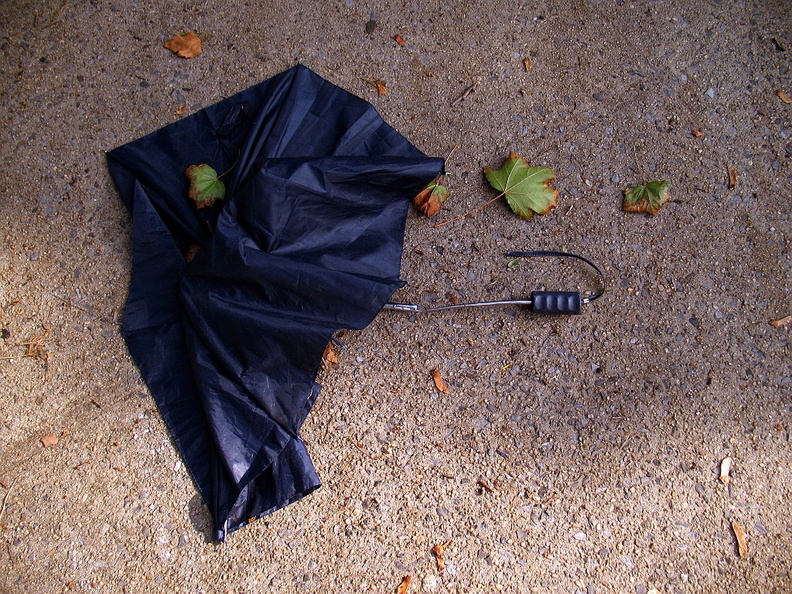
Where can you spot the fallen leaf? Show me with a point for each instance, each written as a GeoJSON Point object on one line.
{"type": "Point", "coordinates": [732, 176]}
{"type": "Point", "coordinates": [378, 84]}
{"type": "Point", "coordinates": [49, 440]}
{"type": "Point", "coordinates": [742, 545]}
{"type": "Point", "coordinates": [191, 252]}
{"type": "Point", "coordinates": [697, 133]}
{"type": "Point", "coordinates": [439, 383]}
{"type": "Point", "coordinates": [181, 111]}
{"type": "Point", "coordinates": [783, 96]}
{"type": "Point", "coordinates": [405, 585]}
{"type": "Point", "coordinates": [187, 45]}
{"type": "Point", "coordinates": [725, 469]}
{"type": "Point", "coordinates": [329, 358]}
{"type": "Point", "coordinates": [205, 185]}
{"type": "Point", "coordinates": [526, 188]}
{"type": "Point", "coordinates": [431, 198]}
{"type": "Point", "coordinates": [527, 64]}
{"type": "Point", "coordinates": [648, 198]}
{"type": "Point", "coordinates": [485, 485]}
{"type": "Point", "coordinates": [439, 552]}
{"type": "Point", "coordinates": [780, 323]}
{"type": "Point", "coordinates": [398, 39]}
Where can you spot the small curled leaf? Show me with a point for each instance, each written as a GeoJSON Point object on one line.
{"type": "Point", "coordinates": [187, 45]}
{"type": "Point", "coordinates": [404, 587]}
{"type": "Point", "coordinates": [430, 199]}
{"type": "Point", "coordinates": [439, 382]}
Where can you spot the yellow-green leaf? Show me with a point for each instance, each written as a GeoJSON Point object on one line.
{"type": "Point", "coordinates": [527, 189]}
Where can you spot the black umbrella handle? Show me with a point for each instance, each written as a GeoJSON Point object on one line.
{"type": "Point", "coordinates": [544, 302]}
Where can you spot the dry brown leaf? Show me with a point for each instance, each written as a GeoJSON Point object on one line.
{"type": "Point", "coordinates": [424, 202]}
{"type": "Point", "coordinates": [378, 84]}
{"type": "Point", "coordinates": [742, 545]}
{"type": "Point", "coordinates": [381, 88]}
{"type": "Point", "coordinates": [783, 96]}
{"type": "Point", "coordinates": [725, 469]}
{"type": "Point", "coordinates": [49, 440]}
{"type": "Point", "coordinates": [431, 198]}
{"type": "Point", "coordinates": [527, 64]}
{"type": "Point", "coordinates": [732, 176]}
{"type": "Point", "coordinates": [187, 45]}
{"type": "Point", "coordinates": [405, 585]}
{"type": "Point", "coordinates": [438, 381]}
{"type": "Point", "coordinates": [329, 358]}
{"type": "Point", "coordinates": [398, 39]}
{"type": "Point", "coordinates": [697, 133]}
{"type": "Point", "coordinates": [439, 552]}
{"type": "Point", "coordinates": [181, 111]}
{"type": "Point", "coordinates": [485, 485]}
{"type": "Point", "coordinates": [780, 323]}
{"type": "Point", "coordinates": [191, 252]}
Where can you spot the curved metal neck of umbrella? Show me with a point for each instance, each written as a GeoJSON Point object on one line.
{"type": "Point", "coordinates": [546, 302]}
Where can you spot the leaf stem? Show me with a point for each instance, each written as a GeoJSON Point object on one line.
{"type": "Point", "coordinates": [232, 165]}
{"type": "Point", "coordinates": [478, 208]}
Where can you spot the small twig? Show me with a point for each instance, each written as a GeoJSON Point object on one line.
{"type": "Point", "coordinates": [465, 93]}
{"type": "Point", "coordinates": [451, 152]}
{"type": "Point", "coordinates": [52, 20]}
{"type": "Point", "coordinates": [479, 207]}
{"type": "Point", "coordinates": [360, 447]}
{"type": "Point", "coordinates": [69, 303]}
{"type": "Point", "coordinates": [5, 499]}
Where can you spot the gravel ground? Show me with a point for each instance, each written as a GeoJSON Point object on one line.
{"type": "Point", "coordinates": [571, 454]}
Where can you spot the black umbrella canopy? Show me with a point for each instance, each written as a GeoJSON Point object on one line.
{"type": "Point", "coordinates": [307, 241]}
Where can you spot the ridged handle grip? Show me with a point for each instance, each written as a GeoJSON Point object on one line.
{"type": "Point", "coordinates": [555, 302]}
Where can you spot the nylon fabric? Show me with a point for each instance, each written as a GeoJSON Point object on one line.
{"type": "Point", "coordinates": [307, 241]}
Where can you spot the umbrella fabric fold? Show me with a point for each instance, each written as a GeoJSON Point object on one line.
{"type": "Point", "coordinates": [307, 241]}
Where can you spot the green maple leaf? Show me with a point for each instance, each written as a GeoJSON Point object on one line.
{"type": "Point", "coordinates": [526, 188]}
{"type": "Point", "coordinates": [205, 187]}
{"type": "Point", "coordinates": [648, 198]}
